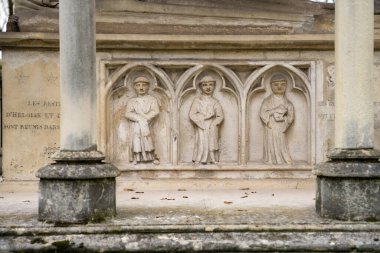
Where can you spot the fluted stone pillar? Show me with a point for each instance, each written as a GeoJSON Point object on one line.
{"type": "Point", "coordinates": [348, 186]}
{"type": "Point", "coordinates": [78, 187]}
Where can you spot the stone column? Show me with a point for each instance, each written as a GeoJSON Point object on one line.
{"type": "Point", "coordinates": [348, 186]}
{"type": "Point", "coordinates": [78, 76]}
{"type": "Point", "coordinates": [354, 33]}
{"type": "Point", "coordinates": [77, 188]}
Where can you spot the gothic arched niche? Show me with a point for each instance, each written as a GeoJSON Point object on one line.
{"type": "Point", "coordinates": [121, 130]}
{"type": "Point", "coordinates": [279, 124]}
{"type": "Point", "coordinates": [226, 95]}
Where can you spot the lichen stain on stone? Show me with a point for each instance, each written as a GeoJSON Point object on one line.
{"type": "Point", "coordinates": [62, 245]}
{"type": "Point", "coordinates": [359, 136]}
{"type": "Point", "coordinates": [38, 240]}
{"type": "Point", "coordinates": [83, 141]}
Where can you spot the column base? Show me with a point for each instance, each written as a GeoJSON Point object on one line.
{"type": "Point", "coordinates": [75, 191]}
{"type": "Point", "coordinates": [348, 186]}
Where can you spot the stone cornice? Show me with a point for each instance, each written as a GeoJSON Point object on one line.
{"type": "Point", "coordinates": [180, 42]}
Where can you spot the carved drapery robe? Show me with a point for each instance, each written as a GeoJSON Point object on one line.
{"type": "Point", "coordinates": [140, 112]}
{"type": "Point", "coordinates": [277, 114]}
{"type": "Point", "coordinates": [207, 114]}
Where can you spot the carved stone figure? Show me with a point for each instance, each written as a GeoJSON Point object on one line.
{"type": "Point", "coordinates": [277, 114]}
{"type": "Point", "coordinates": [141, 111]}
{"type": "Point", "coordinates": [206, 113]}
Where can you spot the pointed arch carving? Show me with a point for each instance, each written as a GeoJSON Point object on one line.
{"type": "Point", "coordinates": [227, 92]}
{"type": "Point", "coordinates": [239, 93]}
{"type": "Point", "coordinates": [116, 93]}
{"type": "Point", "coordinates": [299, 134]}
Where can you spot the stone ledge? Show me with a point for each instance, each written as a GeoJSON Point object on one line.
{"type": "Point", "coordinates": [348, 169]}
{"type": "Point", "coordinates": [187, 42]}
{"type": "Point", "coordinates": [78, 156]}
{"type": "Point", "coordinates": [206, 241]}
{"type": "Point", "coordinates": [213, 167]}
{"type": "Point", "coordinates": [107, 228]}
{"type": "Point", "coordinates": [78, 171]}
{"type": "Point", "coordinates": [355, 154]}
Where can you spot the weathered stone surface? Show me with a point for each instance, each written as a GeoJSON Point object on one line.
{"type": "Point", "coordinates": [76, 200]}
{"type": "Point", "coordinates": [199, 242]}
{"type": "Point", "coordinates": [355, 154]}
{"type": "Point", "coordinates": [348, 169]}
{"type": "Point", "coordinates": [83, 170]}
{"type": "Point", "coordinates": [193, 230]}
{"type": "Point", "coordinates": [354, 56]}
{"type": "Point", "coordinates": [348, 190]}
{"type": "Point", "coordinates": [64, 155]}
{"type": "Point", "coordinates": [169, 41]}
{"type": "Point", "coordinates": [31, 81]}
{"type": "Point", "coordinates": [186, 17]}
{"type": "Point", "coordinates": [77, 75]}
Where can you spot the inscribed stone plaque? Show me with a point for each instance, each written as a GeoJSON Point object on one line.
{"type": "Point", "coordinates": [31, 107]}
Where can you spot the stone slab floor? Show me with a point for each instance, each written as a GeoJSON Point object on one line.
{"type": "Point", "coordinates": [189, 216]}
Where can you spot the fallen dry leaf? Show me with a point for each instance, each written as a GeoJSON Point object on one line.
{"type": "Point", "coordinates": [185, 197]}
{"type": "Point", "coordinates": [244, 189]}
{"type": "Point", "coordinates": [135, 198]}
{"type": "Point", "coordinates": [128, 190]}
{"type": "Point", "coordinates": [181, 190]}
{"type": "Point", "coordinates": [244, 197]}
{"type": "Point", "coordinates": [139, 192]}
{"type": "Point", "coordinates": [167, 199]}
{"type": "Point", "coordinates": [228, 202]}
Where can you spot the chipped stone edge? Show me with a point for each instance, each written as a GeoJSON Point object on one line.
{"type": "Point", "coordinates": [78, 171]}
{"type": "Point", "coordinates": [66, 155]}
{"type": "Point", "coordinates": [354, 154]}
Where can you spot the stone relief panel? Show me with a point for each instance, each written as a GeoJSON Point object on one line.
{"type": "Point", "coordinates": [139, 119]}
{"type": "Point", "coordinates": [279, 115]}
{"type": "Point", "coordinates": [209, 119]}
{"type": "Point", "coordinates": [162, 114]}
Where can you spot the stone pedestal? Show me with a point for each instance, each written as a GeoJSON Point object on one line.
{"type": "Point", "coordinates": [78, 188]}
{"type": "Point", "coordinates": [348, 186]}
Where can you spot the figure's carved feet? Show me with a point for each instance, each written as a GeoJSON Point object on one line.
{"type": "Point", "coordinates": [196, 163]}
{"type": "Point", "coordinates": [213, 161]}
{"type": "Point", "coordinates": [156, 162]}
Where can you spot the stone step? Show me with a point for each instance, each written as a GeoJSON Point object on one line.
{"type": "Point", "coordinates": [333, 237]}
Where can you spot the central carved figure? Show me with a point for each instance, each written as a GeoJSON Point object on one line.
{"type": "Point", "coordinates": [141, 110]}
{"type": "Point", "coordinates": [207, 115]}
{"type": "Point", "coordinates": [277, 114]}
